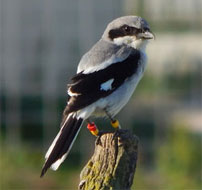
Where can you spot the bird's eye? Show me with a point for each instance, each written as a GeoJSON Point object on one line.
{"type": "Point", "coordinates": [126, 28]}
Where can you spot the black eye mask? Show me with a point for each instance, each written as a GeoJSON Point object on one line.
{"type": "Point", "coordinates": [124, 30]}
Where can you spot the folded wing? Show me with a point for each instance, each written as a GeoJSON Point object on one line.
{"type": "Point", "coordinates": [85, 89]}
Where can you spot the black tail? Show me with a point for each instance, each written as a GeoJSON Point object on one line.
{"type": "Point", "coordinates": [62, 143]}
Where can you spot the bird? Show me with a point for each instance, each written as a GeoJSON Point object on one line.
{"type": "Point", "coordinates": [106, 77]}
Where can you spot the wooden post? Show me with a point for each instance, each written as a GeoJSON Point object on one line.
{"type": "Point", "coordinates": [113, 164]}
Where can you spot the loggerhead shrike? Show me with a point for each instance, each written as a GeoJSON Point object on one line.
{"type": "Point", "coordinates": [107, 76]}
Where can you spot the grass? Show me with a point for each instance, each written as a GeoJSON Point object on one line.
{"type": "Point", "coordinates": [176, 165]}
{"type": "Point", "coordinates": [20, 169]}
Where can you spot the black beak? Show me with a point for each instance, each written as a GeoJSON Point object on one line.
{"type": "Point", "coordinates": [148, 35]}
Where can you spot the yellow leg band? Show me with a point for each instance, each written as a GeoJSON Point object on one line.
{"type": "Point", "coordinates": [115, 123]}
{"type": "Point", "coordinates": [95, 133]}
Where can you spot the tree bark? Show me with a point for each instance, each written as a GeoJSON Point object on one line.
{"type": "Point", "coordinates": [113, 164]}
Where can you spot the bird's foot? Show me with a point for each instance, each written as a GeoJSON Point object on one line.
{"type": "Point", "coordinates": [115, 124]}
{"type": "Point", "coordinates": [116, 134]}
{"type": "Point", "coordinates": [98, 140]}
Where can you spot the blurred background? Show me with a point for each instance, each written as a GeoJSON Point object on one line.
{"type": "Point", "coordinates": [41, 43]}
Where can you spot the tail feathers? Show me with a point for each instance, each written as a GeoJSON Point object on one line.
{"type": "Point", "coordinates": [62, 143]}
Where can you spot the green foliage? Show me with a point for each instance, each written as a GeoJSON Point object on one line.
{"type": "Point", "coordinates": [20, 169]}
{"type": "Point", "coordinates": [150, 84]}
{"type": "Point", "coordinates": [177, 165]}
{"type": "Point", "coordinates": [177, 162]}
{"type": "Point", "coordinates": [179, 159]}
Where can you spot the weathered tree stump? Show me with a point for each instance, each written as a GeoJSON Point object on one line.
{"type": "Point", "coordinates": [113, 164]}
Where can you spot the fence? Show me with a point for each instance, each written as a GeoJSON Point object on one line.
{"type": "Point", "coordinates": [41, 43]}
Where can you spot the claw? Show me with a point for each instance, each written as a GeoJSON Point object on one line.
{"type": "Point", "coordinates": [116, 134]}
{"type": "Point", "coordinates": [98, 140]}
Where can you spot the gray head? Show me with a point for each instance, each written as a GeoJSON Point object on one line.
{"type": "Point", "coordinates": [133, 31]}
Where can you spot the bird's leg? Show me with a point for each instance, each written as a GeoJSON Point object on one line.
{"type": "Point", "coordinates": [94, 131]}
{"type": "Point", "coordinates": [92, 128]}
{"type": "Point", "coordinates": [114, 122]}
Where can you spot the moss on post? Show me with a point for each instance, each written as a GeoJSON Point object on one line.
{"type": "Point", "coordinates": [113, 163]}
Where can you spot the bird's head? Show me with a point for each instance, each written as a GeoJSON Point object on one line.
{"type": "Point", "coordinates": [132, 31]}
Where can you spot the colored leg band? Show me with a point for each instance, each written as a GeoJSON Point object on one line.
{"type": "Point", "coordinates": [115, 123]}
{"type": "Point", "coordinates": [93, 128]}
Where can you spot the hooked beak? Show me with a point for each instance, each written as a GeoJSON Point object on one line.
{"type": "Point", "coordinates": [147, 35]}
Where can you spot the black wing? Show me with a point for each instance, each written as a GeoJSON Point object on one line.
{"type": "Point", "coordinates": [88, 86]}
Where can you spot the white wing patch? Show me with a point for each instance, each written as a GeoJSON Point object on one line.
{"type": "Point", "coordinates": [107, 85]}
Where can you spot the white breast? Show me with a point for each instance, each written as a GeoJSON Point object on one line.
{"type": "Point", "coordinates": [118, 99]}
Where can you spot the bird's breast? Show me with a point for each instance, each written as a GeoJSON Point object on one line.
{"type": "Point", "coordinates": [118, 99]}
